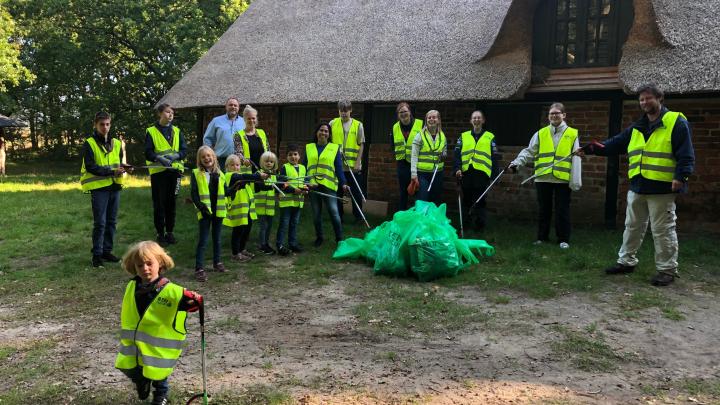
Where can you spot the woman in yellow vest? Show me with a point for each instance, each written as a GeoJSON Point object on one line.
{"type": "Point", "coordinates": [429, 149]}
{"type": "Point", "coordinates": [324, 167]}
{"type": "Point", "coordinates": [548, 146]}
{"type": "Point", "coordinates": [475, 163]}
{"type": "Point", "coordinates": [101, 176]}
{"type": "Point", "coordinates": [403, 134]}
{"type": "Point", "coordinates": [250, 142]}
{"type": "Point", "coordinates": [153, 317]}
{"type": "Point", "coordinates": [165, 148]}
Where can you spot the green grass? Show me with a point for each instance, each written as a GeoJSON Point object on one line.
{"type": "Point", "coordinates": [643, 299]}
{"type": "Point", "coordinates": [588, 351]}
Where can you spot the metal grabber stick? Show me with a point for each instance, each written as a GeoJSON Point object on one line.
{"type": "Point", "coordinates": [359, 210]}
{"type": "Point", "coordinates": [432, 179]}
{"type": "Point", "coordinates": [350, 169]}
{"type": "Point", "coordinates": [204, 394]}
{"type": "Point", "coordinates": [273, 184]}
{"type": "Point", "coordinates": [459, 186]}
{"type": "Point", "coordinates": [489, 187]}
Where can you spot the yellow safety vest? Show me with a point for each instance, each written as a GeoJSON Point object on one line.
{"type": "Point", "coordinates": [242, 206]}
{"type": "Point", "coordinates": [479, 154]}
{"type": "Point", "coordinates": [322, 168]}
{"type": "Point", "coordinates": [265, 200]}
{"type": "Point", "coordinates": [155, 340]}
{"type": "Point", "coordinates": [293, 200]}
{"type": "Point", "coordinates": [401, 145]}
{"type": "Point", "coordinates": [654, 160]}
{"type": "Point", "coordinates": [89, 181]}
{"type": "Point", "coordinates": [162, 148]}
{"type": "Point", "coordinates": [350, 146]}
{"type": "Point", "coordinates": [204, 193]}
{"type": "Point", "coordinates": [246, 147]}
{"type": "Point", "coordinates": [429, 156]}
{"type": "Point", "coordinates": [547, 155]}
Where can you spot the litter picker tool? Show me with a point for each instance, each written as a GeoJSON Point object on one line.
{"type": "Point", "coordinates": [459, 193]}
{"type": "Point", "coordinates": [329, 195]}
{"type": "Point", "coordinates": [594, 144]}
{"type": "Point", "coordinates": [204, 394]}
{"type": "Point", "coordinates": [359, 210]}
{"type": "Point", "coordinates": [273, 184]}
{"type": "Point", "coordinates": [433, 177]}
{"type": "Point", "coordinates": [489, 187]}
{"type": "Point", "coordinates": [353, 177]}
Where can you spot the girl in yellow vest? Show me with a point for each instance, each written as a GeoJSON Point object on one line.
{"type": "Point", "coordinates": [293, 175]}
{"type": "Point", "coordinates": [547, 146]}
{"type": "Point", "coordinates": [429, 149]}
{"type": "Point", "coordinates": [265, 202]}
{"type": "Point", "coordinates": [241, 208]}
{"type": "Point", "coordinates": [207, 191]}
{"type": "Point", "coordinates": [403, 134]}
{"type": "Point", "coordinates": [250, 142]}
{"type": "Point", "coordinates": [152, 320]}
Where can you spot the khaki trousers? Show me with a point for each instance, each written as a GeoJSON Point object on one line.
{"type": "Point", "coordinates": [659, 211]}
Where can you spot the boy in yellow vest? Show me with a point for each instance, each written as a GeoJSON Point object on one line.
{"type": "Point", "coordinates": [548, 146]}
{"type": "Point", "coordinates": [350, 135]}
{"type": "Point", "coordinates": [152, 320]}
{"type": "Point", "coordinates": [101, 176]}
{"type": "Point", "coordinates": [293, 174]}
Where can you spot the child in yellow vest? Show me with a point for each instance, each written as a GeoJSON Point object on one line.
{"type": "Point", "coordinates": [293, 175]}
{"type": "Point", "coordinates": [152, 320]}
{"type": "Point", "coordinates": [265, 202]}
{"type": "Point", "coordinates": [241, 206]}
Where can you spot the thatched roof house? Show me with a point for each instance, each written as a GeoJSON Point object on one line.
{"type": "Point", "coordinates": [7, 122]}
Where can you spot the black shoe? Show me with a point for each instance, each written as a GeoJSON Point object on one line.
{"type": "Point", "coordinates": [296, 249]}
{"type": "Point", "coordinates": [283, 251]}
{"type": "Point", "coordinates": [97, 261]}
{"type": "Point", "coordinates": [662, 279]}
{"type": "Point", "coordinates": [160, 238]}
{"type": "Point", "coordinates": [109, 257]}
{"type": "Point", "coordinates": [267, 250]}
{"type": "Point", "coordinates": [170, 238]}
{"type": "Point", "coordinates": [159, 400]}
{"type": "Point", "coordinates": [619, 269]}
{"type": "Point", "coordinates": [143, 388]}
{"type": "Point", "coordinates": [318, 242]}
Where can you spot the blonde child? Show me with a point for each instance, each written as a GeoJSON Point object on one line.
{"type": "Point", "coordinates": [292, 174]}
{"type": "Point", "coordinates": [152, 320]}
{"type": "Point", "coordinates": [241, 211]}
{"type": "Point", "coordinates": [207, 191]}
{"type": "Point", "coordinates": [265, 202]}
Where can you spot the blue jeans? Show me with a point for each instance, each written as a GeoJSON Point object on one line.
{"type": "Point", "coordinates": [435, 193]}
{"type": "Point", "coordinates": [403, 175]}
{"type": "Point", "coordinates": [205, 225]}
{"type": "Point", "coordinates": [316, 201]}
{"type": "Point", "coordinates": [162, 387]}
{"type": "Point", "coordinates": [265, 225]}
{"type": "Point", "coordinates": [105, 205]}
{"type": "Point", "coordinates": [289, 219]}
{"type": "Point", "coordinates": [355, 193]}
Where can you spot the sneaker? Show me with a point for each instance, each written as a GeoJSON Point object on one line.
{"type": "Point", "coordinates": [283, 251]}
{"type": "Point", "coordinates": [240, 258]}
{"type": "Point", "coordinates": [200, 275]}
{"type": "Point", "coordinates": [662, 279]}
{"type": "Point", "coordinates": [160, 238]}
{"type": "Point", "coordinates": [538, 242]}
{"type": "Point", "coordinates": [143, 388]}
{"type": "Point", "coordinates": [318, 242]}
{"type": "Point", "coordinates": [109, 257]}
{"type": "Point", "coordinates": [267, 250]}
{"type": "Point", "coordinates": [296, 249]}
{"type": "Point", "coordinates": [159, 400]}
{"type": "Point", "coordinates": [247, 253]}
{"type": "Point", "coordinates": [97, 261]}
{"type": "Point", "coordinates": [170, 238]}
{"type": "Point", "coordinates": [619, 269]}
{"type": "Point", "coordinates": [219, 267]}
{"type": "Point", "coordinates": [564, 245]}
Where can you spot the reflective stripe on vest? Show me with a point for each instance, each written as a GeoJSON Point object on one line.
{"type": "Point", "coordinates": [204, 193]}
{"type": "Point", "coordinates": [155, 341]}
{"type": "Point", "coordinates": [292, 199]}
{"type": "Point", "coordinates": [246, 147]}
{"type": "Point", "coordinates": [242, 206]}
{"type": "Point", "coordinates": [89, 181]}
{"type": "Point", "coordinates": [322, 168]}
{"type": "Point", "coordinates": [429, 155]}
{"type": "Point", "coordinates": [401, 145]}
{"type": "Point", "coordinates": [479, 154]}
{"type": "Point", "coordinates": [162, 148]}
{"type": "Point", "coordinates": [265, 200]}
{"type": "Point", "coordinates": [654, 160]}
{"type": "Point", "coordinates": [350, 146]}
{"type": "Point", "coordinates": [548, 155]}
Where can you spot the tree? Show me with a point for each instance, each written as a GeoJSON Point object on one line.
{"type": "Point", "coordinates": [12, 72]}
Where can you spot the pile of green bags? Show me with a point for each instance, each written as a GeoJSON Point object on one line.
{"type": "Point", "coordinates": [418, 241]}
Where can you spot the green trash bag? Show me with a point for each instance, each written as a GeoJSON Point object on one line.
{"type": "Point", "coordinates": [433, 258]}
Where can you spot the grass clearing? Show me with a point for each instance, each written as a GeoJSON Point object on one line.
{"type": "Point", "coordinates": [644, 299]}
{"type": "Point", "coordinates": [588, 352]}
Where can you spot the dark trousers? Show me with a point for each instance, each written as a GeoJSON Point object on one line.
{"type": "Point", "coordinates": [105, 205]}
{"type": "Point", "coordinates": [204, 232]}
{"type": "Point", "coordinates": [265, 225]}
{"type": "Point", "coordinates": [473, 185]}
{"type": "Point", "coordinates": [403, 175]}
{"type": "Point", "coordinates": [355, 193]}
{"type": "Point", "coordinates": [435, 193]}
{"type": "Point", "coordinates": [289, 220]}
{"type": "Point", "coordinates": [316, 202]}
{"type": "Point", "coordinates": [162, 387]}
{"type": "Point", "coordinates": [555, 195]}
{"type": "Point", "coordinates": [240, 236]}
{"type": "Point", "coordinates": [164, 186]}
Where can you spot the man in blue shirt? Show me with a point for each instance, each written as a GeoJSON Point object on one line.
{"type": "Point", "coordinates": [219, 133]}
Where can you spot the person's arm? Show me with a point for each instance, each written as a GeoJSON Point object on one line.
{"type": "Point", "coordinates": [339, 171]}
{"type": "Point", "coordinates": [416, 146]}
{"type": "Point", "coordinates": [91, 165]}
{"type": "Point", "coordinates": [616, 145]}
{"type": "Point", "coordinates": [528, 154]}
{"type": "Point", "coordinates": [361, 147]}
{"type": "Point", "coordinates": [183, 147]}
{"type": "Point", "coordinates": [209, 139]}
{"type": "Point", "coordinates": [150, 155]}
{"type": "Point", "coordinates": [457, 156]}
{"type": "Point", "coordinates": [495, 158]}
{"type": "Point", "coordinates": [190, 301]}
{"type": "Point", "coordinates": [576, 169]}
{"type": "Point", "coordinates": [195, 195]}
{"type": "Point", "coordinates": [683, 150]}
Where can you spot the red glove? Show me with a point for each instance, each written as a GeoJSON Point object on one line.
{"type": "Point", "coordinates": [413, 186]}
{"type": "Point", "coordinates": [194, 300]}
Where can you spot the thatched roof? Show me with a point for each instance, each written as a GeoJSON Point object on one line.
{"type": "Point", "coordinates": [305, 51]}
{"type": "Point", "coordinates": [6, 122]}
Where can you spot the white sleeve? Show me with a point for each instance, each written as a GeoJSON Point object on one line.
{"type": "Point", "coordinates": [528, 154]}
{"type": "Point", "coordinates": [576, 169]}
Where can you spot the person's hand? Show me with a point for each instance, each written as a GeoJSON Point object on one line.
{"type": "Point", "coordinates": [118, 171]}
{"type": "Point", "coordinates": [163, 161]}
{"type": "Point", "coordinates": [173, 157]}
{"type": "Point", "coordinates": [346, 188]}
{"type": "Point", "coordinates": [264, 175]}
{"type": "Point", "coordinates": [413, 186]}
{"type": "Point", "coordinates": [512, 167]}
{"type": "Point", "coordinates": [128, 168]}
{"type": "Point", "coordinates": [677, 185]}
{"type": "Point", "coordinates": [246, 162]}
{"type": "Point", "coordinates": [580, 151]}
{"type": "Point", "coordinates": [205, 212]}
{"type": "Point", "coordinates": [195, 300]}
{"type": "Point", "coordinates": [458, 174]}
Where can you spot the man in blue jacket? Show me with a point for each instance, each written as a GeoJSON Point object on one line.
{"type": "Point", "coordinates": [661, 158]}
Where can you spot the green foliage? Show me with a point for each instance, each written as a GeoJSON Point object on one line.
{"type": "Point", "coordinates": [12, 72]}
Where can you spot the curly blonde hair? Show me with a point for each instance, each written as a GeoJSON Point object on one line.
{"type": "Point", "coordinates": [141, 251]}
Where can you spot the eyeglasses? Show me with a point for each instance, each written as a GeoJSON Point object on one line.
{"type": "Point", "coordinates": [556, 113]}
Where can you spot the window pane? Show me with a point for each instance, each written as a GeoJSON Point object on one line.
{"type": "Point", "coordinates": [603, 53]}
{"type": "Point", "coordinates": [561, 8]}
{"type": "Point", "coordinates": [591, 31]}
{"type": "Point", "coordinates": [604, 29]}
{"type": "Point", "coordinates": [573, 8]}
{"type": "Point", "coordinates": [559, 54]}
{"type": "Point", "coordinates": [571, 31]}
{"type": "Point", "coordinates": [590, 52]}
{"type": "Point", "coordinates": [561, 33]}
{"type": "Point", "coordinates": [571, 54]}
{"type": "Point", "coordinates": [592, 12]}
{"type": "Point", "coordinates": [606, 7]}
